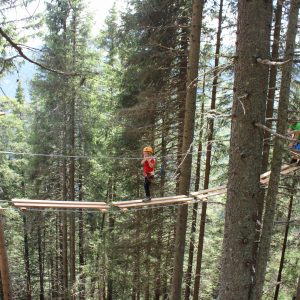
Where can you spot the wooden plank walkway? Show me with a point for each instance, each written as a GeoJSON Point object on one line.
{"type": "Point", "coordinates": [28, 203]}
{"type": "Point", "coordinates": [138, 203]}
{"type": "Point", "coordinates": [181, 199]}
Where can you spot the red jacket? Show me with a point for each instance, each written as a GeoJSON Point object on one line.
{"type": "Point", "coordinates": [148, 171]}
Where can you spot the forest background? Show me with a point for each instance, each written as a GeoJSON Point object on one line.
{"type": "Point", "coordinates": [98, 96]}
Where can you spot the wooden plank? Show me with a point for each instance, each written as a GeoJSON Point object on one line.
{"type": "Point", "coordinates": [265, 181]}
{"type": "Point", "coordinates": [216, 193]}
{"type": "Point", "coordinates": [295, 152]}
{"type": "Point", "coordinates": [57, 202]}
{"type": "Point", "coordinates": [160, 201]}
{"type": "Point", "coordinates": [267, 174]}
{"type": "Point", "coordinates": [149, 203]}
{"type": "Point", "coordinates": [285, 171]}
{"type": "Point", "coordinates": [132, 205]}
{"type": "Point", "coordinates": [201, 192]}
{"type": "Point", "coordinates": [49, 205]}
{"type": "Point", "coordinates": [120, 203]}
{"type": "Point", "coordinates": [290, 170]}
{"type": "Point", "coordinates": [71, 204]}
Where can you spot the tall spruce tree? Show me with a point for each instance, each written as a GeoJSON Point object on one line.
{"type": "Point", "coordinates": [264, 248]}
{"type": "Point", "coordinates": [245, 156]}
{"type": "Point", "coordinates": [62, 123]}
{"type": "Point", "coordinates": [188, 135]}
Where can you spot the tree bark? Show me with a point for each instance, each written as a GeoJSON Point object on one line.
{"type": "Point", "coordinates": [298, 290]}
{"type": "Point", "coordinates": [111, 224]}
{"type": "Point", "coordinates": [63, 226]}
{"type": "Point", "coordinates": [208, 156]}
{"type": "Point", "coordinates": [136, 290]}
{"type": "Point", "coordinates": [245, 154]}
{"type": "Point", "coordinates": [41, 264]}
{"type": "Point", "coordinates": [181, 93]}
{"type": "Point", "coordinates": [4, 269]}
{"type": "Point", "coordinates": [264, 248]}
{"type": "Point", "coordinates": [284, 247]}
{"type": "Point", "coordinates": [81, 241]}
{"type": "Point", "coordinates": [72, 153]}
{"type": "Point", "coordinates": [272, 85]}
{"type": "Point", "coordinates": [149, 218]}
{"type": "Point", "coordinates": [188, 135]}
{"type": "Point", "coordinates": [195, 208]}
{"type": "Point", "coordinates": [269, 109]}
{"type": "Point", "coordinates": [26, 259]}
{"type": "Point", "coordinates": [158, 266]}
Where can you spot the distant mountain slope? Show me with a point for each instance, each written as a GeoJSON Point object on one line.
{"type": "Point", "coordinates": [24, 74]}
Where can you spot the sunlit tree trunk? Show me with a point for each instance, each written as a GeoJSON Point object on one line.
{"type": "Point", "coordinates": [188, 135]}
{"type": "Point", "coordinates": [210, 136]}
{"type": "Point", "coordinates": [298, 290]}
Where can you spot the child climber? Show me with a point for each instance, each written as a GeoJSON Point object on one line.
{"type": "Point", "coordinates": [294, 129]}
{"type": "Point", "coordinates": [148, 163]}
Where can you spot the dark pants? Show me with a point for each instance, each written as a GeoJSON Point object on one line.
{"type": "Point", "coordinates": [147, 184]}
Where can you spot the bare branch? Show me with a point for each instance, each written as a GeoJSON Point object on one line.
{"type": "Point", "coordinates": [23, 55]}
{"type": "Point", "coordinates": [272, 63]}
{"type": "Point", "coordinates": [272, 132]}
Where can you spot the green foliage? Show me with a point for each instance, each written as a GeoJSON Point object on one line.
{"type": "Point", "coordinates": [104, 120]}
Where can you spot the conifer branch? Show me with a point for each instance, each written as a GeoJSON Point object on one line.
{"type": "Point", "coordinates": [23, 55]}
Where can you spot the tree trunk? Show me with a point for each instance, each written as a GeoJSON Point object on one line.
{"type": "Point", "coordinates": [81, 242]}
{"type": "Point", "coordinates": [136, 267]}
{"type": "Point", "coordinates": [208, 156]}
{"type": "Point", "coordinates": [164, 158]}
{"type": "Point", "coordinates": [181, 93]}
{"type": "Point", "coordinates": [168, 258]}
{"type": "Point", "coordinates": [63, 226]}
{"type": "Point", "coordinates": [284, 247]}
{"type": "Point", "coordinates": [264, 249]}
{"type": "Point", "coordinates": [298, 290]}
{"type": "Point", "coordinates": [149, 218]}
{"type": "Point", "coordinates": [158, 265]}
{"type": "Point", "coordinates": [4, 269]}
{"type": "Point", "coordinates": [195, 207]}
{"type": "Point", "coordinates": [26, 259]}
{"type": "Point", "coordinates": [111, 224]}
{"type": "Point", "coordinates": [72, 153]}
{"type": "Point", "coordinates": [245, 154]}
{"type": "Point", "coordinates": [41, 265]}
{"type": "Point", "coordinates": [188, 135]}
{"type": "Point", "coordinates": [269, 111]}
{"type": "Point", "coordinates": [272, 84]}
{"type": "Point", "coordinates": [57, 290]}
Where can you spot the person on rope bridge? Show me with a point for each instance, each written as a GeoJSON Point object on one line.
{"type": "Point", "coordinates": [148, 163]}
{"type": "Point", "coordinates": [294, 130]}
